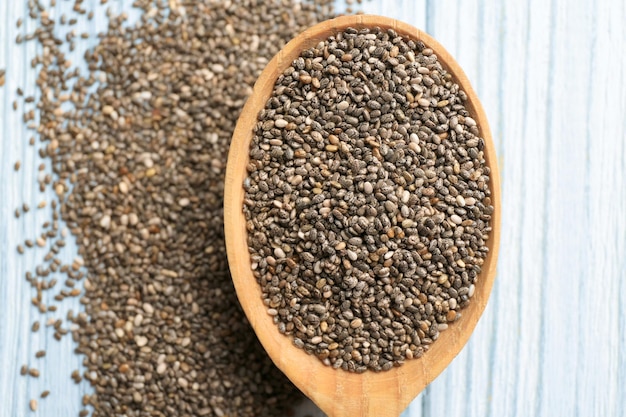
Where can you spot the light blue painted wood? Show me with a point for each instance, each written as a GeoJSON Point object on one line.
{"type": "Point", "coordinates": [552, 78]}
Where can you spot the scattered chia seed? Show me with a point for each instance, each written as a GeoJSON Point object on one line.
{"type": "Point", "coordinates": [137, 165]}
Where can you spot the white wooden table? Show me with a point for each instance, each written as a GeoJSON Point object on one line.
{"type": "Point", "coordinates": [552, 78]}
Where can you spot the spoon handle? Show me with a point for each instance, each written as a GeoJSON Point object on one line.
{"type": "Point", "coordinates": [368, 407]}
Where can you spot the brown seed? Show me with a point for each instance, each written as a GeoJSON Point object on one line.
{"type": "Point", "coordinates": [451, 315]}
{"type": "Point", "coordinates": [33, 405]}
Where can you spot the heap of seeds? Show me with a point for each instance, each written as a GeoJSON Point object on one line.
{"type": "Point", "coordinates": [367, 200]}
{"type": "Point", "coordinates": [138, 149]}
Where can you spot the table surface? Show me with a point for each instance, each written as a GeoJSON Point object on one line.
{"type": "Point", "coordinates": [552, 342]}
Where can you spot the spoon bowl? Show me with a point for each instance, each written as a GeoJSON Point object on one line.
{"type": "Point", "coordinates": [340, 393]}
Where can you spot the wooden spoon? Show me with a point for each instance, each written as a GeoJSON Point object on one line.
{"type": "Point", "coordinates": [340, 393]}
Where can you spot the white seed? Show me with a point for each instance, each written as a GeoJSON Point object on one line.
{"type": "Point", "coordinates": [281, 123]}
{"type": "Point", "coordinates": [133, 219]}
{"type": "Point", "coordinates": [105, 221]}
{"type": "Point", "coordinates": [415, 147]}
{"type": "Point", "coordinates": [279, 253]}
{"type": "Point", "coordinates": [147, 307]}
{"type": "Point", "coordinates": [161, 368]}
{"type": "Point", "coordinates": [472, 289]}
{"type": "Point", "coordinates": [141, 340]}
{"type": "Point", "coordinates": [343, 105]}
{"type": "Point", "coordinates": [316, 340]}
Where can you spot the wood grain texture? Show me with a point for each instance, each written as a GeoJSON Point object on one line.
{"type": "Point", "coordinates": [552, 342]}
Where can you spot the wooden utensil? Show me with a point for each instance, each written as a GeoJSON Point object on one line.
{"type": "Point", "coordinates": [339, 393]}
